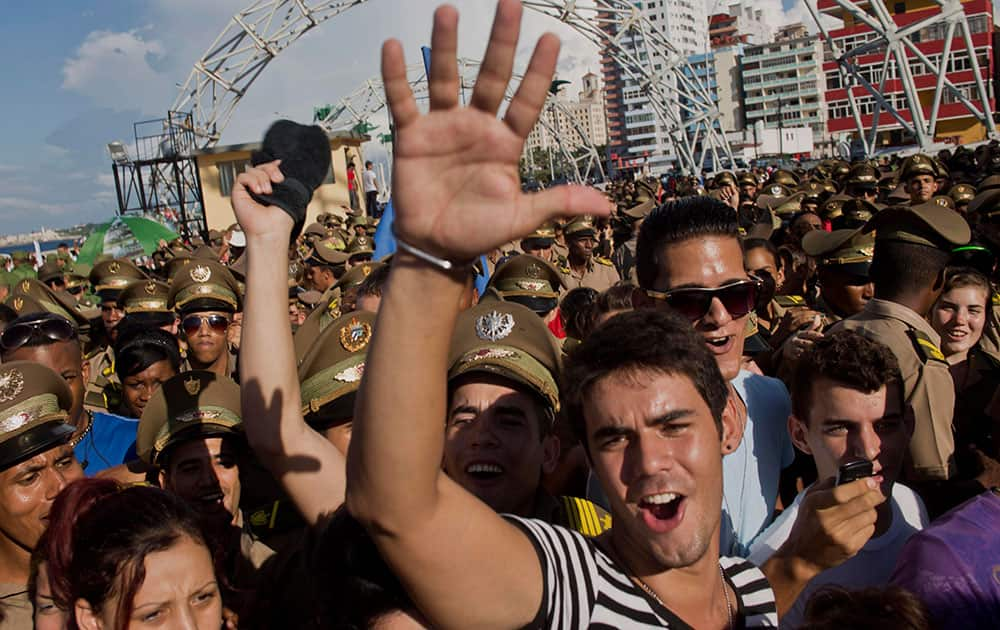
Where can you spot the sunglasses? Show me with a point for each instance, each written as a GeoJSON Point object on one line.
{"type": "Point", "coordinates": [217, 323]}
{"type": "Point", "coordinates": [737, 298]}
{"type": "Point", "coordinates": [53, 329]}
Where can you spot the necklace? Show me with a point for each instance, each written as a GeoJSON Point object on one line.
{"type": "Point", "coordinates": [646, 589]}
{"type": "Point", "coordinates": [90, 423]}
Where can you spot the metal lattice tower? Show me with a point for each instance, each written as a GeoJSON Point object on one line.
{"type": "Point", "coordinates": [257, 34]}
{"type": "Point", "coordinates": [574, 144]}
{"type": "Point", "coordinates": [899, 50]}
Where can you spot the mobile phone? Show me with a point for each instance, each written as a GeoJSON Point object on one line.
{"type": "Point", "coordinates": [854, 470]}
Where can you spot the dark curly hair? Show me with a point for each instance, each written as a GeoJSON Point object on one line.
{"type": "Point", "coordinates": [638, 341]}
{"type": "Point", "coordinates": [677, 221]}
{"type": "Point", "coordinates": [835, 607]}
{"type": "Point", "coordinates": [847, 358]}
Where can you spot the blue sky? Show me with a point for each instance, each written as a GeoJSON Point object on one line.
{"type": "Point", "coordinates": [77, 75]}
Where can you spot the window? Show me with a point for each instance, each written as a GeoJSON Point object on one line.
{"type": "Point", "coordinates": [228, 171]}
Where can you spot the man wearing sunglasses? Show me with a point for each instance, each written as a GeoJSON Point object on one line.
{"type": "Point", "coordinates": [36, 463]}
{"type": "Point", "coordinates": [689, 259]}
{"type": "Point", "coordinates": [100, 440]}
{"type": "Point", "coordinates": [207, 297]}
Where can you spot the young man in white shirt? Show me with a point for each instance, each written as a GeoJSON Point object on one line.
{"type": "Point", "coordinates": [371, 189]}
{"type": "Point", "coordinates": [847, 403]}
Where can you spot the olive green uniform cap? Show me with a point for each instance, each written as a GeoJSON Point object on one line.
{"type": "Point", "coordinates": [50, 271]}
{"type": "Point", "coordinates": [918, 164]}
{"type": "Point", "coordinates": [34, 409]}
{"type": "Point", "coordinates": [31, 296]}
{"type": "Point", "coordinates": [333, 367]}
{"type": "Point", "coordinates": [508, 340]}
{"type": "Point", "coordinates": [110, 277]}
{"type": "Point", "coordinates": [204, 285]}
{"type": "Point", "coordinates": [986, 204]}
{"type": "Point", "coordinates": [356, 275]}
{"type": "Point", "coordinates": [930, 224]}
{"type": "Point", "coordinates": [580, 226]}
{"type": "Point", "coordinates": [850, 250]}
{"type": "Point", "coordinates": [193, 404]}
{"type": "Point", "coordinates": [327, 252]}
{"type": "Point", "coordinates": [962, 193]}
{"type": "Point", "coordinates": [146, 296]}
{"type": "Point", "coordinates": [527, 276]}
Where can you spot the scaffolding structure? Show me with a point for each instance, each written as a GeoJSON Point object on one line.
{"type": "Point", "coordinates": [161, 180]}
{"type": "Point", "coordinates": [898, 46]}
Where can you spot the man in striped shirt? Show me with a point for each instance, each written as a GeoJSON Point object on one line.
{"type": "Point", "coordinates": [644, 393]}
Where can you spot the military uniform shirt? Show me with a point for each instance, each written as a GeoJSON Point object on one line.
{"type": "Point", "coordinates": [927, 383]}
{"type": "Point", "coordinates": [104, 389]}
{"type": "Point", "coordinates": [599, 275]}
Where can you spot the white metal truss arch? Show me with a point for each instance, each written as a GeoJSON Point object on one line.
{"type": "Point", "coordinates": [574, 144]}
{"type": "Point", "coordinates": [899, 49]}
{"type": "Point", "coordinates": [257, 34]}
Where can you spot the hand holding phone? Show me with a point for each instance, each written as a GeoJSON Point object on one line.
{"type": "Point", "coordinates": [853, 470]}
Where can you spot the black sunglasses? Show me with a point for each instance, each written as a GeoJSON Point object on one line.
{"type": "Point", "coordinates": [192, 323]}
{"type": "Point", "coordinates": [52, 327]}
{"type": "Point", "coordinates": [737, 298]}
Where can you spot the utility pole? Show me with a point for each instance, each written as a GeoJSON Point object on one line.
{"type": "Point", "coordinates": [781, 131]}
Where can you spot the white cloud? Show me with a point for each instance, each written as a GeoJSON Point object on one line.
{"type": "Point", "coordinates": [25, 205]}
{"type": "Point", "coordinates": [114, 70]}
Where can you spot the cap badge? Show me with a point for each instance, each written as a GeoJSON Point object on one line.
{"type": "Point", "coordinates": [15, 422]}
{"type": "Point", "coordinates": [192, 385]}
{"type": "Point", "coordinates": [355, 335]}
{"type": "Point", "coordinates": [150, 288]}
{"type": "Point", "coordinates": [776, 190]}
{"type": "Point", "coordinates": [201, 273]}
{"type": "Point", "coordinates": [25, 285]}
{"type": "Point", "coordinates": [941, 201]}
{"type": "Point", "coordinates": [533, 271]}
{"type": "Point", "coordinates": [489, 353]}
{"type": "Point", "coordinates": [18, 304]}
{"type": "Point", "coordinates": [351, 374]}
{"type": "Point", "coordinates": [494, 326]}
{"type": "Point", "coordinates": [532, 285]}
{"type": "Point", "coordinates": [114, 267]}
{"type": "Point", "coordinates": [11, 384]}
{"type": "Point", "coordinates": [365, 270]}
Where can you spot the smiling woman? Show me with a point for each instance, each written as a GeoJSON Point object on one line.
{"type": "Point", "coordinates": [129, 558]}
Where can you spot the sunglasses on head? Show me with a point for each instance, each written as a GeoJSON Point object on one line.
{"type": "Point", "coordinates": [52, 328]}
{"type": "Point", "coordinates": [217, 323]}
{"type": "Point", "coordinates": [737, 298]}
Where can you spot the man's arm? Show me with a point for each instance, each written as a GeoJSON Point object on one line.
{"type": "Point", "coordinates": [309, 468]}
{"type": "Point", "coordinates": [832, 525]}
{"type": "Point", "coordinates": [456, 194]}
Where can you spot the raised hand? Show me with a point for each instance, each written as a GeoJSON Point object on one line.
{"type": "Point", "coordinates": [254, 218]}
{"type": "Point", "coordinates": [456, 190]}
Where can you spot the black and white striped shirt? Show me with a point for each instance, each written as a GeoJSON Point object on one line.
{"type": "Point", "coordinates": [584, 588]}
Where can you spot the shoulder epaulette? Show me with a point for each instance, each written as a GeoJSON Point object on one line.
{"type": "Point", "coordinates": [603, 261]}
{"type": "Point", "coordinates": [926, 349]}
{"type": "Point", "coordinates": [996, 299]}
{"type": "Point", "coordinates": [585, 516]}
{"type": "Point", "coordinates": [789, 301]}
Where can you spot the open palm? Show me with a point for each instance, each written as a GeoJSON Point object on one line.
{"type": "Point", "coordinates": [456, 191]}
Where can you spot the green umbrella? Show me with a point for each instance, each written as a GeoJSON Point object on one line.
{"type": "Point", "coordinates": [125, 237]}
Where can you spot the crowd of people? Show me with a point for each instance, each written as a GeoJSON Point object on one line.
{"type": "Point", "coordinates": [755, 399]}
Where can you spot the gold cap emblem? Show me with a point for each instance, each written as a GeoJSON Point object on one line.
{"type": "Point", "coordinates": [201, 273]}
{"type": "Point", "coordinates": [150, 288]}
{"type": "Point", "coordinates": [11, 384]}
{"type": "Point", "coordinates": [18, 304]}
{"type": "Point", "coordinates": [25, 285]}
{"type": "Point", "coordinates": [365, 270]}
{"type": "Point", "coordinates": [355, 335]}
{"type": "Point", "coordinates": [533, 271]}
{"type": "Point", "coordinates": [192, 385]}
